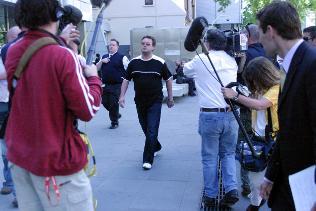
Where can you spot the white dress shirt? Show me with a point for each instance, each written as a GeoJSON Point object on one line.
{"type": "Point", "coordinates": [124, 60]}
{"type": "Point", "coordinates": [289, 56]}
{"type": "Point", "coordinates": [4, 93]}
{"type": "Point", "coordinates": [209, 89]}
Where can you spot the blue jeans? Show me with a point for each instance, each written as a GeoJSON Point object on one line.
{"type": "Point", "coordinates": [219, 132]}
{"type": "Point", "coordinates": [6, 170]}
{"type": "Point", "coordinates": [149, 119]}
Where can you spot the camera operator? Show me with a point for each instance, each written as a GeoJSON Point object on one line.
{"type": "Point", "coordinates": [51, 92]}
{"type": "Point", "coordinates": [217, 125]}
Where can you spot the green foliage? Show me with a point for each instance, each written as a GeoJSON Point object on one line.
{"type": "Point", "coordinates": [223, 4]}
{"type": "Point", "coordinates": [253, 6]}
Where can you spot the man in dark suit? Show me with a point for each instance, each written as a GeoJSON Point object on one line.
{"type": "Point", "coordinates": [113, 68]}
{"type": "Point", "coordinates": [295, 150]}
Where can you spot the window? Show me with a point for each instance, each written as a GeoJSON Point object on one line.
{"type": "Point", "coordinates": [149, 2]}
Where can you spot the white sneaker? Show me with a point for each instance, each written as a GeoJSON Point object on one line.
{"type": "Point", "coordinates": [146, 166]}
{"type": "Point", "coordinates": [155, 154]}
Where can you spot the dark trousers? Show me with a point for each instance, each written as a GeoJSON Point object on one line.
{"type": "Point", "coordinates": [110, 98]}
{"type": "Point", "coordinates": [190, 82]}
{"type": "Point", "coordinates": [149, 119]}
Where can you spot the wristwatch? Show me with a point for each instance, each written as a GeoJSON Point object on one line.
{"type": "Point", "coordinates": [236, 97]}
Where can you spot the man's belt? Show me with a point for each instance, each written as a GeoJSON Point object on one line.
{"type": "Point", "coordinates": [215, 109]}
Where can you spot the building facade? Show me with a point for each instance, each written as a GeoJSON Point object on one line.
{"type": "Point", "coordinates": [121, 16]}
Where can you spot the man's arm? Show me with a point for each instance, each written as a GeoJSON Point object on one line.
{"type": "Point", "coordinates": [189, 68]}
{"type": "Point", "coordinates": [310, 90]}
{"type": "Point", "coordinates": [170, 101]}
{"type": "Point", "coordinates": [123, 92]}
{"type": "Point", "coordinates": [3, 73]}
{"type": "Point", "coordinates": [82, 89]}
{"type": "Point", "coordinates": [125, 62]}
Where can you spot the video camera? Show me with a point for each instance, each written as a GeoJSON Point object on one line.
{"type": "Point", "coordinates": [69, 14]}
{"type": "Point", "coordinates": [236, 42]}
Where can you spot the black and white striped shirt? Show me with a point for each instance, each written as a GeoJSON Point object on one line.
{"type": "Point", "coordinates": [147, 75]}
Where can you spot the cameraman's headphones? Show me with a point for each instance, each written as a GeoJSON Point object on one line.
{"type": "Point", "coordinates": [59, 12]}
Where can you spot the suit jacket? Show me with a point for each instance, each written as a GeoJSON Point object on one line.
{"type": "Point", "coordinates": [295, 147]}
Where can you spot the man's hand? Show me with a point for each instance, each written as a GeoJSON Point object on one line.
{"type": "Point", "coordinates": [122, 102]}
{"type": "Point", "coordinates": [105, 60]}
{"type": "Point", "coordinates": [228, 93]}
{"type": "Point", "coordinates": [170, 103]}
{"type": "Point", "coordinates": [90, 70]}
{"type": "Point", "coordinates": [265, 189]}
{"type": "Point", "coordinates": [70, 33]}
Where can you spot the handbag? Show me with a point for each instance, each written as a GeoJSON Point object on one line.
{"type": "Point", "coordinates": [263, 146]}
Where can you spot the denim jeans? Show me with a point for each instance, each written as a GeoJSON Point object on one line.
{"type": "Point", "coordinates": [219, 131]}
{"type": "Point", "coordinates": [6, 170]}
{"type": "Point", "coordinates": [149, 119]}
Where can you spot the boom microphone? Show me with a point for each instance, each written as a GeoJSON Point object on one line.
{"type": "Point", "coordinates": [71, 14]}
{"type": "Point", "coordinates": [195, 33]}
{"type": "Point", "coordinates": [102, 4]}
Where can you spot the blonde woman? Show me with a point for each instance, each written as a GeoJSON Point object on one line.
{"type": "Point", "coordinates": [262, 79]}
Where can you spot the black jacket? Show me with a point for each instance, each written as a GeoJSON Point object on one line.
{"type": "Point", "coordinates": [296, 142]}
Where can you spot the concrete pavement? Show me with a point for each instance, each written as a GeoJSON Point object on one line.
{"type": "Point", "coordinates": [175, 181]}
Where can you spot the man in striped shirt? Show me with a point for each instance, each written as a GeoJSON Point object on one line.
{"type": "Point", "coordinates": [147, 70]}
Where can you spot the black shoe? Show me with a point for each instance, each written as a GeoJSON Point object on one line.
{"type": "Point", "coordinates": [6, 190]}
{"type": "Point", "coordinates": [113, 126]}
{"type": "Point", "coordinates": [119, 116]}
{"type": "Point", "coordinates": [230, 198]}
{"type": "Point", "coordinates": [209, 202]}
{"type": "Point", "coordinates": [255, 208]}
{"type": "Point", "coordinates": [192, 94]}
{"type": "Point", "coordinates": [15, 203]}
{"type": "Point", "coordinates": [245, 191]}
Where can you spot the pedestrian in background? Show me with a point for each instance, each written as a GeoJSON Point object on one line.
{"type": "Point", "coordinates": [113, 69]}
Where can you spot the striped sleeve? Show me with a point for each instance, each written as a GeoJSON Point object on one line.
{"type": "Point", "coordinates": [82, 96]}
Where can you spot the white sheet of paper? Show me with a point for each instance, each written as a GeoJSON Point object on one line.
{"type": "Point", "coordinates": [303, 188]}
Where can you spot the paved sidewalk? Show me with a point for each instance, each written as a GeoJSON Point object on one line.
{"type": "Point", "coordinates": [175, 181]}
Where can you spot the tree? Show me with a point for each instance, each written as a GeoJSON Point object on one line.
{"type": "Point", "coordinates": [253, 6]}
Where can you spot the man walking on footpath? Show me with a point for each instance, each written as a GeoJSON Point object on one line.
{"type": "Point", "coordinates": [280, 33]}
{"type": "Point", "coordinates": [147, 70]}
{"type": "Point", "coordinates": [51, 92]}
{"type": "Point", "coordinates": [217, 125]}
{"type": "Point", "coordinates": [113, 69]}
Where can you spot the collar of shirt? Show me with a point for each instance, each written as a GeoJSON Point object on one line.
{"type": "Point", "coordinates": [289, 56]}
{"type": "Point", "coordinates": [111, 54]}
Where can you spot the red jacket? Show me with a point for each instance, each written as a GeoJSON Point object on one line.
{"type": "Point", "coordinates": [50, 94]}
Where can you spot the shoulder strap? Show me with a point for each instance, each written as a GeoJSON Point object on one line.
{"type": "Point", "coordinates": [270, 119]}
{"type": "Point", "coordinates": [30, 51]}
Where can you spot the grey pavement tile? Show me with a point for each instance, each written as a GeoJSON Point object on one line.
{"type": "Point", "coordinates": [159, 195]}
{"type": "Point", "coordinates": [175, 181]}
